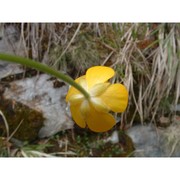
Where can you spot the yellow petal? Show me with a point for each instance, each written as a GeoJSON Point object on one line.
{"type": "Point", "coordinates": [76, 99]}
{"type": "Point", "coordinates": [73, 91]}
{"type": "Point", "coordinates": [116, 97]}
{"type": "Point", "coordinates": [77, 116]}
{"type": "Point", "coordinates": [98, 74]}
{"type": "Point", "coordinates": [99, 121]}
{"type": "Point", "coordinates": [82, 81]}
{"type": "Point", "coordinates": [98, 89]}
{"type": "Point", "coordinates": [85, 108]}
{"type": "Point", "coordinates": [99, 105]}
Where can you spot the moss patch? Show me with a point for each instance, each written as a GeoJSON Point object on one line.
{"type": "Point", "coordinates": [16, 112]}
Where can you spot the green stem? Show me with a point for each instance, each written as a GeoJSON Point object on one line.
{"type": "Point", "coordinates": [43, 68]}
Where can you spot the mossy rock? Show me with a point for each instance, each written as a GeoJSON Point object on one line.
{"type": "Point", "coordinates": [29, 121]}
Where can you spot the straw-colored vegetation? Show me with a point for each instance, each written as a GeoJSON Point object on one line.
{"type": "Point", "coordinates": [146, 58]}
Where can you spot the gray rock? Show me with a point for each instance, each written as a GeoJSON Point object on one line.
{"type": "Point", "coordinates": [169, 141]}
{"type": "Point", "coordinates": [151, 141]}
{"type": "Point", "coordinates": [7, 69]}
{"type": "Point", "coordinates": [176, 108]}
{"type": "Point", "coordinates": [38, 93]}
{"type": "Point", "coordinates": [145, 140]}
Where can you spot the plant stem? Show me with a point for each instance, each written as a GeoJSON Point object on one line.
{"type": "Point", "coordinates": [44, 68]}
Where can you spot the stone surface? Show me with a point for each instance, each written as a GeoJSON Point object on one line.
{"type": "Point", "coordinates": [176, 108]}
{"type": "Point", "coordinates": [39, 94]}
{"type": "Point", "coordinates": [151, 141]}
{"type": "Point", "coordinates": [7, 69]}
{"type": "Point", "coordinates": [145, 141]}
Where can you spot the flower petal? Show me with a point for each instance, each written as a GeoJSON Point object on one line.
{"type": "Point", "coordinates": [76, 99]}
{"type": "Point", "coordinates": [77, 116]}
{"type": "Point", "coordinates": [98, 74]}
{"type": "Point", "coordinates": [98, 89]}
{"type": "Point", "coordinates": [99, 105]}
{"type": "Point", "coordinates": [99, 121]}
{"type": "Point", "coordinates": [85, 108]}
{"type": "Point", "coordinates": [116, 97]}
{"type": "Point", "coordinates": [73, 91]}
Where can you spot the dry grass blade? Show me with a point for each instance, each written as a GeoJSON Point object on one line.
{"type": "Point", "coordinates": [5, 123]}
{"type": "Point", "coordinates": [32, 153]}
{"type": "Point", "coordinates": [12, 134]}
{"type": "Point", "coordinates": [72, 39]}
{"type": "Point", "coordinates": [7, 131]}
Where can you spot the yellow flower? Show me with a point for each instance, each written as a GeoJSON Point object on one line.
{"type": "Point", "coordinates": [103, 98]}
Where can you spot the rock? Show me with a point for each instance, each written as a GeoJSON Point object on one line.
{"type": "Point", "coordinates": [39, 94]}
{"type": "Point", "coordinates": [169, 141]}
{"type": "Point", "coordinates": [151, 141]}
{"type": "Point", "coordinates": [114, 138]}
{"type": "Point", "coordinates": [145, 140]}
{"type": "Point", "coordinates": [175, 108]}
{"type": "Point", "coordinates": [7, 69]}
